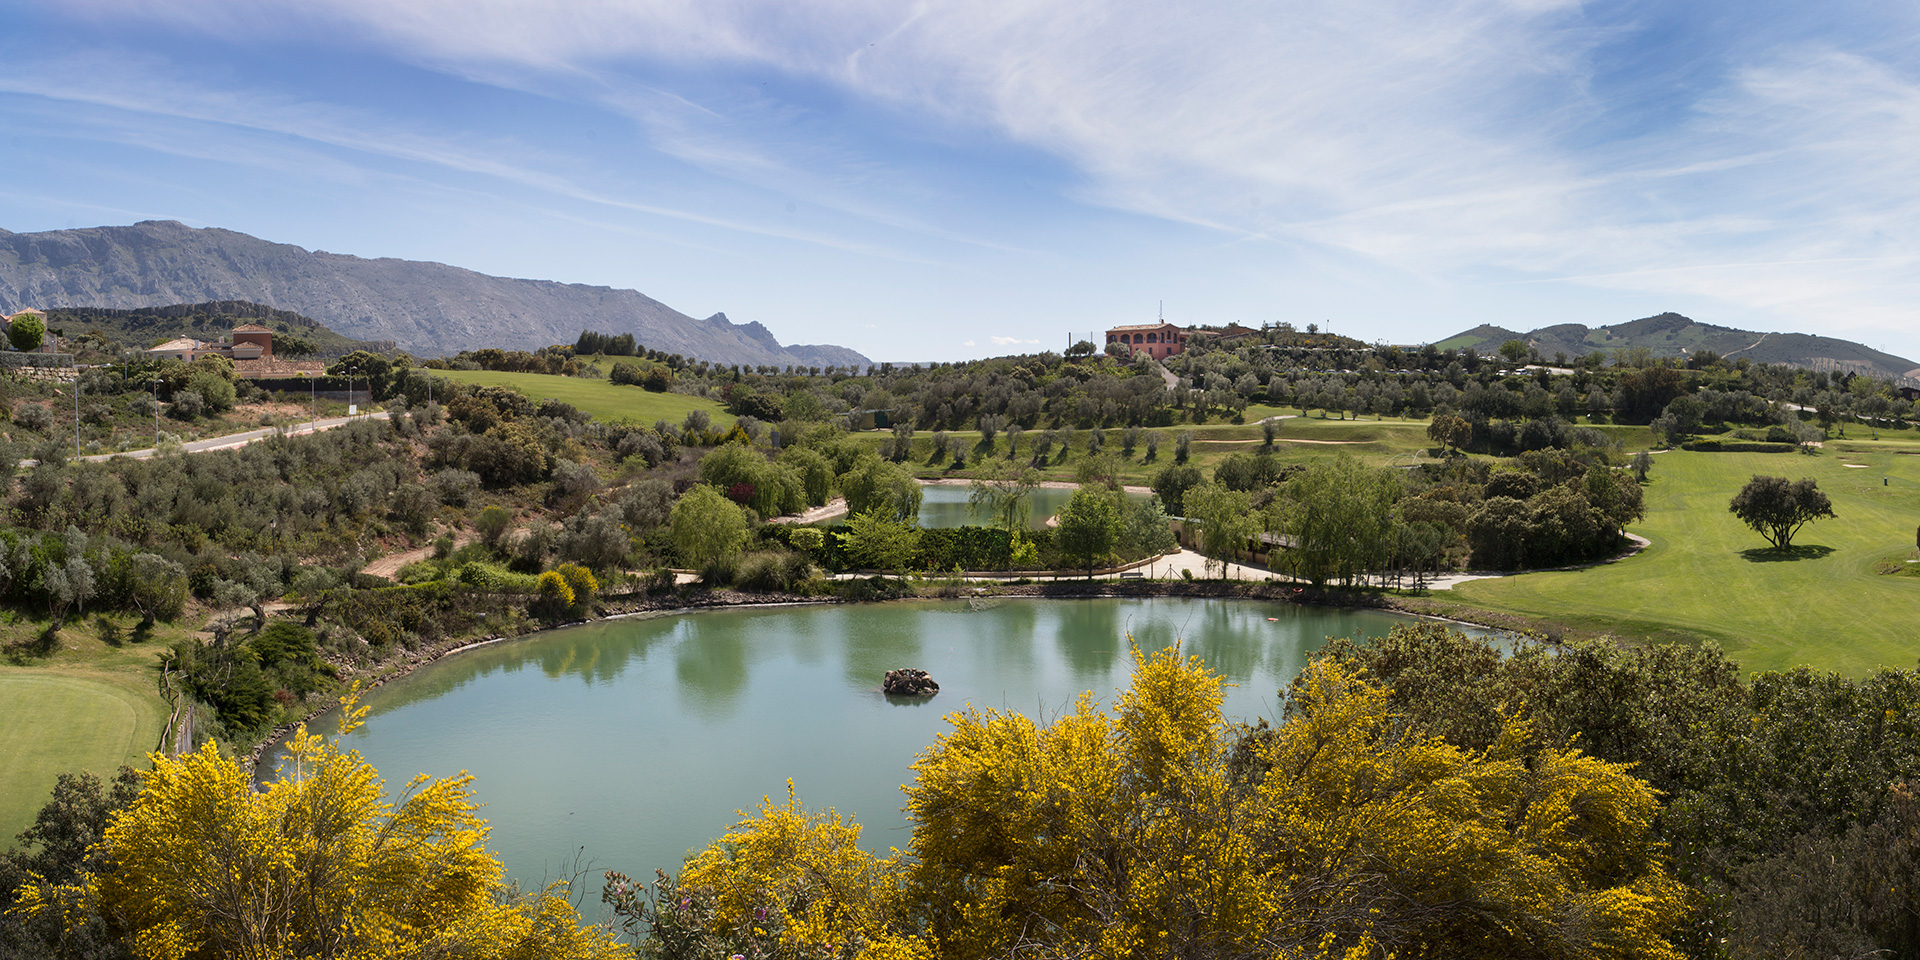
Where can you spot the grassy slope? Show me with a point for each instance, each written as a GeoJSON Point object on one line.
{"type": "Point", "coordinates": [1376, 441]}
{"type": "Point", "coordinates": [601, 399]}
{"type": "Point", "coordinates": [1708, 576]}
{"type": "Point", "coordinates": [89, 707]}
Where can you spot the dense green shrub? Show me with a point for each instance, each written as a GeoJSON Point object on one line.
{"type": "Point", "coordinates": [1734, 446]}
{"type": "Point", "coordinates": [494, 578]}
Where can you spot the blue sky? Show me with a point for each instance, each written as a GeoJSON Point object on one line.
{"type": "Point", "coordinates": [947, 180]}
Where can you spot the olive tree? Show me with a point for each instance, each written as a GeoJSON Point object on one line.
{"type": "Point", "coordinates": [1777, 509]}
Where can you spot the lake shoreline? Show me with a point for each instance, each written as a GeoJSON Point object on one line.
{"type": "Point", "coordinates": [628, 608]}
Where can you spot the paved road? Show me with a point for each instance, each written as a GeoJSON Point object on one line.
{"type": "Point", "coordinates": [236, 440]}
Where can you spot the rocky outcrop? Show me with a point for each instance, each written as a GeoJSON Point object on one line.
{"type": "Point", "coordinates": [907, 682]}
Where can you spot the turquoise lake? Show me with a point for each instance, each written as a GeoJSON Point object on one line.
{"type": "Point", "coordinates": [637, 740]}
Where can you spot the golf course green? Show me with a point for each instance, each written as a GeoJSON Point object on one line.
{"type": "Point", "coordinates": [1707, 576]}
{"type": "Point", "coordinates": [58, 723]}
{"type": "Point", "coordinates": [600, 399]}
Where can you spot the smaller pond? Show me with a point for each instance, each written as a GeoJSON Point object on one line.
{"type": "Point", "coordinates": [945, 505]}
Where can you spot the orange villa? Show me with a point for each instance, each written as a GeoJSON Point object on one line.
{"type": "Point", "coordinates": [1156, 340]}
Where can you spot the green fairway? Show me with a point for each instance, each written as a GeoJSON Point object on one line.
{"type": "Point", "coordinates": [599, 399]}
{"type": "Point", "coordinates": [1709, 576]}
{"type": "Point", "coordinates": [55, 723]}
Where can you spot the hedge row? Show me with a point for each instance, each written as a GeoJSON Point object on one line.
{"type": "Point", "coordinates": [1734, 446]}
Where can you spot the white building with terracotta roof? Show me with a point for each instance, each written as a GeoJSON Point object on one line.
{"type": "Point", "coordinates": [249, 342]}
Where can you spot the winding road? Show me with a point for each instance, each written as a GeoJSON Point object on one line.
{"type": "Point", "coordinates": [233, 441]}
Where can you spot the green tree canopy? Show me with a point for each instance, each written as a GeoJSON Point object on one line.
{"type": "Point", "coordinates": [875, 484]}
{"type": "Point", "coordinates": [1089, 526]}
{"type": "Point", "coordinates": [1338, 515]}
{"type": "Point", "coordinates": [877, 540]}
{"type": "Point", "coordinates": [708, 530]}
{"type": "Point", "coordinates": [27, 332]}
{"type": "Point", "coordinates": [1171, 486]}
{"type": "Point", "coordinates": [1777, 509]}
{"type": "Point", "coordinates": [1227, 521]}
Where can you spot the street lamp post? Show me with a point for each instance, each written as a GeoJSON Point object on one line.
{"type": "Point", "coordinates": [156, 413]}
{"type": "Point", "coordinates": [76, 412]}
{"type": "Point", "coordinates": [313, 403]}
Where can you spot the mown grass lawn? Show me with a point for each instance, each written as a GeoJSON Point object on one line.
{"type": "Point", "coordinates": [600, 399]}
{"type": "Point", "coordinates": [1707, 576]}
{"type": "Point", "coordinates": [88, 706]}
{"type": "Point", "coordinates": [58, 723]}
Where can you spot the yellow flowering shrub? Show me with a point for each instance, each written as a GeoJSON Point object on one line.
{"type": "Point", "coordinates": [555, 592]}
{"type": "Point", "coordinates": [581, 582]}
{"type": "Point", "coordinates": [781, 883]}
{"type": "Point", "coordinates": [1147, 830]}
{"type": "Point", "coordinates": [319, 864]}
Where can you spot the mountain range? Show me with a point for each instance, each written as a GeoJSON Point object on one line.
{"type": "Point", "coordinates": [426, 308]}
{"type": "Point", "coordinates": [1670, 334]}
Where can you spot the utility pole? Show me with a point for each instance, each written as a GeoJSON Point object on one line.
{"type": "Point", "coordinates": [156, 414]}
{"type": "Point", "coordinates": [313, 403]}
{"type": "Point", "coordinates": [76, 411]}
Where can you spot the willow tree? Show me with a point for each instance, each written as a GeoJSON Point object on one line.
{"type": "Point", "coordinates": [708, 529]}
{"type": "Point", "coordinates": [1227, 521]}
{"type": "Point", "coordinates": [1337, 515]}
{"type": "Point", "coordinates": [874, 484]}
{"type": "Point", "coordinates": [1004, 490]}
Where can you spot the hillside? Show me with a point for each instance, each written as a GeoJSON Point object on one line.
{"type": "Point", "coordinates": [426, 308]}
{"type": "Point", "coordinates": [1670, 334]}
{"type": "Point", "coordinates": [145, 326]}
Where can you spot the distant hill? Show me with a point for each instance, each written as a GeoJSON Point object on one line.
{"type": "Point", "coordinates": [143, 327]}
{"type": "Point", "coordinates": [1671, 334]}
{"type": "Point", "coordinates": [426, 308]}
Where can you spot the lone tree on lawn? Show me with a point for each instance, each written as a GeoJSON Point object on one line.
{"type": "Point", "coordinates": [1778, 509]}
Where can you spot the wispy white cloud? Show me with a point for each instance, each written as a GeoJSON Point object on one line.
{"type": "Point", "coordinates": [1459, 142]}
{"type": "Point", "coordinates": [1006, 341]}
{"type": "Point", "coordinates": [146, 91]}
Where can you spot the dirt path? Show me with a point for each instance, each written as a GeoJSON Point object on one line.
{"type": "Point", "coordinates": [836, 507]}
{"type": "Point", "coordinates": [390, 564]}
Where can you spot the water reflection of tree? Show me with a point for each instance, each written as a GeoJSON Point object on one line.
{"type": "Point", "coordinates": [1092, 638]}
{"type": "Point", "coordinates": [710, 661]}
{"type": "Point", "coordinates": [1002, 637]}
{"type": "Point", "coordinates": [600, 653]}
{"type": "Point", "coordinates": [882, 638]}
{"type": "Point", "coordinates": [1225, 636]}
